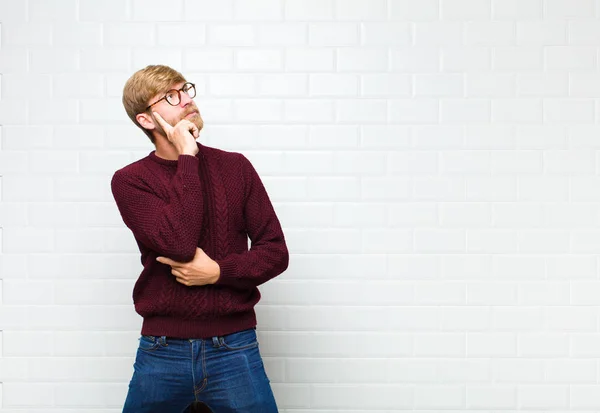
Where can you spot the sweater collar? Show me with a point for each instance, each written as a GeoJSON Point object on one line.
{"type": "Point", "coordinates": [170, 162]}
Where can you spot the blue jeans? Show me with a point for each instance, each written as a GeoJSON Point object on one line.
{"type": "Point", "coordinates": [226, 373]}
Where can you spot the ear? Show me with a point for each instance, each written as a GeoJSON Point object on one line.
{"type": "Point", "coordinates": [145, 120]}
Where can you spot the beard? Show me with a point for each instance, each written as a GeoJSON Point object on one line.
{"type": "Point", "coordinates": [194, 117]}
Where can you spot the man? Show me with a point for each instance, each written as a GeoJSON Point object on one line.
{"type": "Point", "coordinates": [191, 209]}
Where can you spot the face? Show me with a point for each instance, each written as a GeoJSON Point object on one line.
{"type": "Point", "coordinates": [186, 109]}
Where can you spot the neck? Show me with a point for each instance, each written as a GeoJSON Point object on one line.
{"type": "Point", "coordinates": [166, 150]}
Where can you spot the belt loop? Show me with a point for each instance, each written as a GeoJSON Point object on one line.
{"type": "Point", "coordinates": [216, 342]}
{"type": "Point", "coordinates": [163, 341]}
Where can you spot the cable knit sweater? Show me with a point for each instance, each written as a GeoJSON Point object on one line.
{"type": "Point", "coordinates": [216, 201]}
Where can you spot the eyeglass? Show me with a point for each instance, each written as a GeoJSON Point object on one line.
{"type": "Point", "coordinates": [173, 96]}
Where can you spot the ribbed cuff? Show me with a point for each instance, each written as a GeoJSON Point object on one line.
{"type": "Point", "coordinates": [228, 272]}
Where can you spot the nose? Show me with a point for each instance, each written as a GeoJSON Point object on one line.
{"type": "Point", "coordinates": [185, 99]}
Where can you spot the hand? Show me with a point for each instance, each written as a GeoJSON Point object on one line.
{"type": "Point", "coordinates": [183, 135]}
{"type": "Point", "coordinates": [201, 270]}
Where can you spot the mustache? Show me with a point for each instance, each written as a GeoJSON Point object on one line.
{"type": "Point", "coordinates": [190, 112]}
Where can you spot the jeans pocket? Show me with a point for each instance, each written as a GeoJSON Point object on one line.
{"type": "Point", "coordinates": [239, 341]}
{"type": "Point", "coordinates": [149, 343]}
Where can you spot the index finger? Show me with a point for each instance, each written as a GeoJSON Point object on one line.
{"type": "Point", "coordinates": [167, 261]}
{"type": "Point", "coordinates": [163, 123]}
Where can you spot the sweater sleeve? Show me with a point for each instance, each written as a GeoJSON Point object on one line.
{"type": "Point", "coordinates": [170, 228]}
{"type": "Point", "coordinates": [268, 255]}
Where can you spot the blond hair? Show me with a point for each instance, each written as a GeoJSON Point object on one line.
{"type": "Point", "coordinates": [143, 85]}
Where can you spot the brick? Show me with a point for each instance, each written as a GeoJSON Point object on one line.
{"type": "Point", "coordinates": [362, 60]}
{"type": "Point", "coordinates": [569, 111]}
{"type": "Point", "coordinates": [444, 85]}
{"type": "Point", "coordinates": [181, 34]}
{"type": "Point", "coordinates": [541, 33]}
{"type": "Point", "coordinates": [282, 34]}
{"type": "Point", "coordinates": [516, 9]}
{"type": "Point", "coordinates": [259, 60]}
{"type": "Point", "coordinates": [546, 84]}
{"type": "Point", "coordinates": [412, 163]}
{"type": "Point", "coordinates": [11, 11]}
{"type": "Point", "coordinates": [18, 394]}
{"type": "Point", "coordinates": [309, 10]}
{"type": "Point", "coordinates": [491, 397]}
{"type": "Point", "coordinates": [309, 110]}
{"type": "Point", "coordinates": [543, 396]}
{"type": "Point", "coordinates": [109, 10]}
{"type": "Point", "coordinates": [352, 215]}
{"type": "Point", "coordinates": [442, 188]}
{"type": "Point", "coordinates": [360, 10]}
{"type": "Point", "coordinates": [517, 319]}
{"type": "Point", "coordinates": [465, 10]}
{"type": "Point", "coordinates": [491, 188]}
{"type": "Point", "coordinates": [156, 10]}
{"type": "Point", "coordinates": [569, 9]}
{"type": "Point", "coordinates": [406, 215]}
{"type": "Point", "coordinates": [519, 110]}
{"type": "Point", "coordinates": [466, 59]}
{"type": "Point", "coordinates": [208, 60]}
{"type": "Point", "coordinates": [233, 84]}
{"type": "Point", "coordinates": [380, 396]}
{"type": "Point", "coordinates": [490, 34]}
{"type": "Point", "coordinates": [490, 85]}
{"type": "Point", "coordinates": [430, 345]}
{"type": "Point", "coordinates": [309, 60]}
{"type": "Point", "coordinates": [440, 240]}
{"type": "Point", "coordinates": [352, 162]}
{"type": "Point", "coordinates": [130, 34]}
{"type": "Point", "coordinates": [491, 345]}
{"type": "Point", "coordinates": [465, 318]}
{"type": "Point", "coordinates": [438, 34]}
{"type": "Point", "coordinates": [388, 85]}
{"type": "Point", "coordinates": [517, 59]}
{"type": "Point", "coordinates": [207, 10]}
{"type": "Point", "coordinates": [258, 10]}
{"type": "Point", "coordinates": [13, 60]}
{"type": "Point", "coordinates": [491, 293]}
{"type": "Point", "coordinates": [407, 10]}
{"type": "Point", "coordinates": [513, 371]}
{"type": "Point", "coordinates": [15, 86]}
{"type": "Point", "coordinates": [231, 35]}
{"type": "Point", "coordinates": [385, 34]}
{"type": "Point", "coordinates": [361, 110]}
{"type": "Point", "coordinates": [440, 396]}
{"type": "Point", "coordinates": [105, 60]}
{"type": "Point", "coordinates": [414, 110]}
{"type": "Point", "coordinates": [571, 58]}
{"type": "Point", "coordinates": [334, 85]}
{"type": "Point", "coordinates": [283, 85]}
{"type": "Point", "coordinates": [465, 214]}
{"type": "Point", "coordinates": [81, 34]}
{"type": "Point", "coordinates": [333, 34]}
{"type": "Point", "coordinates": [26, 34]}
{"type": "Point", "coordinates": [464, 110]}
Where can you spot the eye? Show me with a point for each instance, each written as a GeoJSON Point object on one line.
{"type": "Point", "coordinates": [172, 95]}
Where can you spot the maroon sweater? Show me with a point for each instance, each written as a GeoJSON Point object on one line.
{"type": "Point", "coordinates": [216, 201]}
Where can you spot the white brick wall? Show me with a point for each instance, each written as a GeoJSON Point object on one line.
{"type": "Point", "coordinates": [434, 164]}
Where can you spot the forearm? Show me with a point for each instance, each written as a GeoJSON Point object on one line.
{"type": "Point", "coordinates": [256, 266]}
{"type": "Point", "coordinates": [168, 226]}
